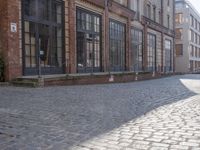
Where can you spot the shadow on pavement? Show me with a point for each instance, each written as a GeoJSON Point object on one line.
{"type": "Point", "coordinates": [61, 117]}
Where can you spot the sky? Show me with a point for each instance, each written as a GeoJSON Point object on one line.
{"type": "Point", "coordinates": [196, 4]}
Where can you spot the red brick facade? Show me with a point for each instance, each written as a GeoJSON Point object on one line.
{"type": "Point", "coordinates": [11, 43]}
{"type": "Point", "coordinates": [122, 12]}
{"type": "Point", "coordinates": [9, 13]}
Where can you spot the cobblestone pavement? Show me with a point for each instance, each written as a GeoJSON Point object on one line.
{"type": "Point", "coordinates": [154, 115]}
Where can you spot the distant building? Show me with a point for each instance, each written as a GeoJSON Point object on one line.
{"type": "Point", "coordinates": [187, 37]}
{"type": "Point", "coordinates": [86, 36]}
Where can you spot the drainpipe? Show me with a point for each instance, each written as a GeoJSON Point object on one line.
{"type": "Point", "coordinates": [106, 37]}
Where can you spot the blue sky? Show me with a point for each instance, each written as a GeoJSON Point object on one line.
{"type": "Point", "coordinates": [196, 4]}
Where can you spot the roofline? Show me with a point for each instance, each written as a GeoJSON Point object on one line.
{"type": "Point", "coordinates": [190, 5]}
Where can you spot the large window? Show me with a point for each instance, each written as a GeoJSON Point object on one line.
{"type": "Point", "coordinates": [168, 56]}
{"type": "Point", "coordinates": [191, 65]}
{"type": "Point", "coordinates": [137, 49]}
{"type": "Point", "coordinates": [151, 51]}
{"type": "Point", "coordinates": [43, 36]}
{"type": "Point", "coordinates": [180, 5]}
{"type": "Point", "coordinates": [154, 13]}
{"type": "Point", "coordinates": [148, 11]}
{"type": "Point", "coordinates": [88, 41]}
{"type": "Point", "coordinates": [191, 20]}
{"type": "Point", "coordinates": [179, 33]}
{"type": "Point", "coordinates": [191, 50]}
{"type": "Point", "coordinates": [196, 23]}
{"type": "Point", "coordinates": [117, 46]}
{"type": "Point", "coordinates": [179, 49]}
{"type": "Point", "coordinates": [160, 17]}
{"type": "Point", "coordinates": [135, 5]}
{"type": "Point", "coordinates": [191, 35]}
{"type": "Point", "coordinates": [168, 21]}
{"type": "Point", "coordinates": [179, 18]}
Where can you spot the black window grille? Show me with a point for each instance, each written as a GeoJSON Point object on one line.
{"type": "Point", "coordinates": [137, 49]}
{"type": "Point", "coordinates": [43, 43]}
{"type": "Point", "coordinates": [88, 41]}
{"type": "Point", "coordinates": [151, 52]}
{"type": "Point", "coordinates": [117, 46]}
{"type": "Point", "coordinates": [168, 56]}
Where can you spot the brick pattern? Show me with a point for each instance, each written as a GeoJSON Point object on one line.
{"type": "Point", "coordinates": [100, 79]}
{"type": "Point", "coordinates": [10, 40]}
{"type": "Point", "coordinates": [11, 43]}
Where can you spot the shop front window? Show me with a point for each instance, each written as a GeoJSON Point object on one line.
{"type": "Point", "coordinates": [88, 41]}
{"type": "Point", "coordinates": [117, 46]}
{"type": "Point", "coordinates": [43, 36]}
{"type": "Point", "coordinates": [137, 49]}
{"type": "Point", "coordinates": [151, 51]}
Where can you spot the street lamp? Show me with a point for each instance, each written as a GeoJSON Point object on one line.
{"type": "Point", "coordinates": [39, 61]}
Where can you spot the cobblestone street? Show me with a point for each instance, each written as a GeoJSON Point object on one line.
{"type": "Point", "coordinates": [152, 115]}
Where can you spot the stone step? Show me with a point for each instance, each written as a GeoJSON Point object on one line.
{"type": "Point", "coordinates": [25, 83]}
{"type": "Point", "coordinates": [80, 79]}
{"type": "Point", "coordinates": [28, 82]}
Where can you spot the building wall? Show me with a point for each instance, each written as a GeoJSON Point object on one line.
{"type": "Point", "coordinates": [10, 40]}
{"type": "Point", "coordinates": [117, 10]}
{"type": "Point", "coordinates": [189, 61]}
{"type": "Point", "coordinates": [159, 25]}
{"type": "Point", "coordinates": [106, 12]}
{"type": "Point", "coordinates": [182, 61]}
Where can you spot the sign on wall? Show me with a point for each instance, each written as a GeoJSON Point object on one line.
{"type": "Point", "coordinates": [13, 27]}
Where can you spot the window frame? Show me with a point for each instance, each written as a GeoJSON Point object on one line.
{"type": "Point", "coordinates": [151, 65]}
{"type": "Point", "coordinates": [120, 63]}
{"type": "Point", "coordinates": [140, 47]}
{"type": "Point", "coordinates": [93, 33]}
{"type": "Point", "coordinates": [37, 20]}
{"type": "Point", "coordinates": [179, 52]}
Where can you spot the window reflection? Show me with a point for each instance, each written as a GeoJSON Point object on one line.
{"type": "Point", "coordinates": [117, 46]}
{"type": "Point", "coordinates": [88, 41]}
{"type": "Point", "coordinates": [43, 33]}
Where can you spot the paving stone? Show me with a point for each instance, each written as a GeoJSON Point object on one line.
{"type": "Point", "coordinates": [139, 146]}
{"type": "Point", "coordinates": [155, 114]}
{"type": "Point", "coordinates": [158, 148]}
{"type": "Point", "coordinates": [180, 147]}
{"type": "Point", "coordinates": [171, 142]}
{"type": "Point", "coordinates": [142, 142]}
{"type": "Point", "coordinates": [153, 139]}
{"type": "Point", "coordinates": [160, 145]}
{"type": "Point", "coordinates": [191, 144]}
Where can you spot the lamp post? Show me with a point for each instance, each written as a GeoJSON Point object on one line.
{"type": "Point", "coordinates": [39, 61]}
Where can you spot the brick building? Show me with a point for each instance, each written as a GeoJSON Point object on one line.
{"type": "Point", "coordinates": [86, 36]}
